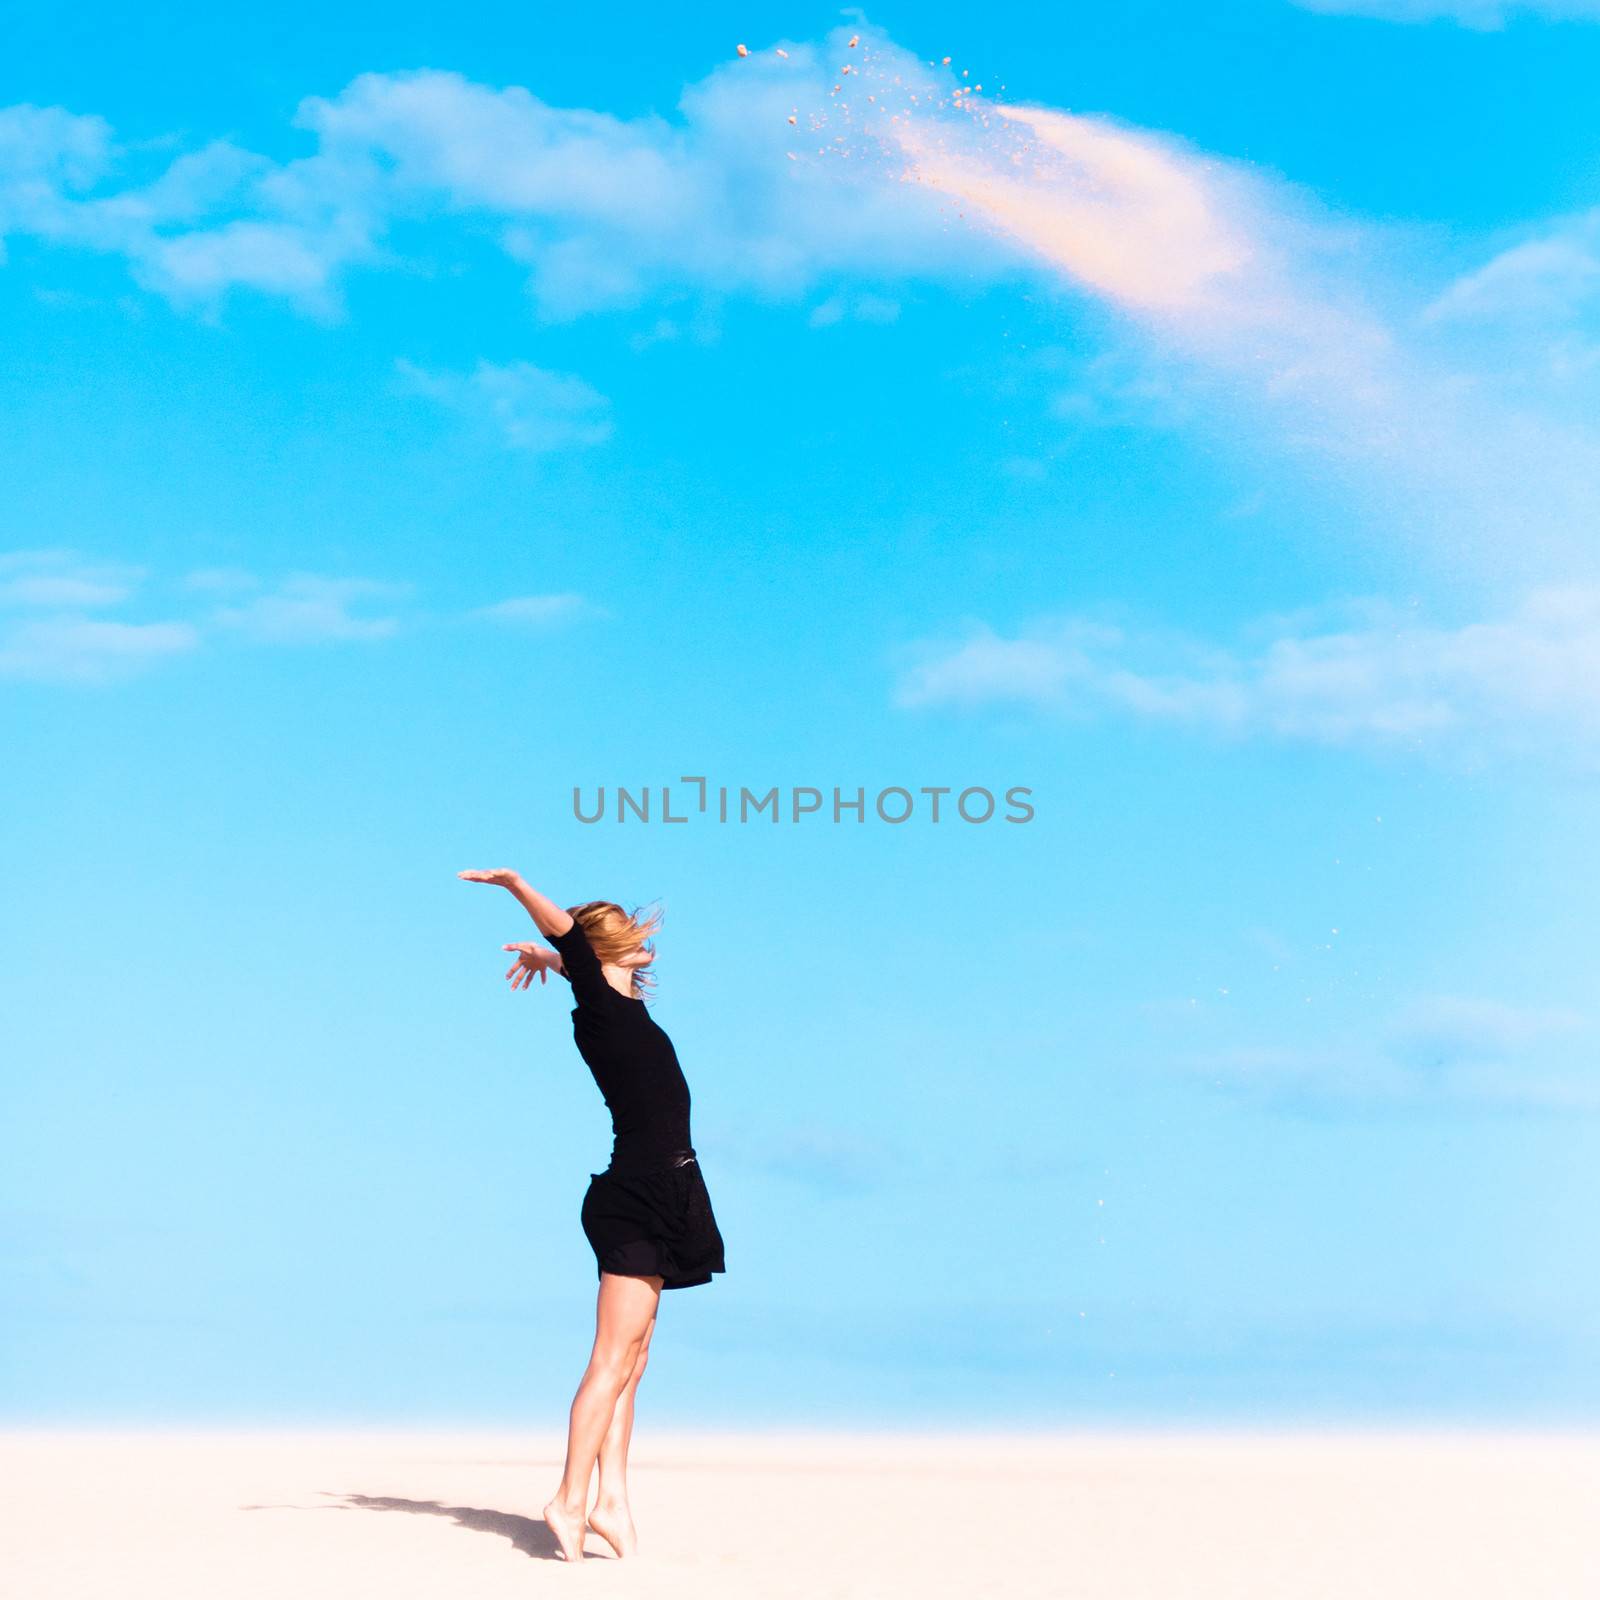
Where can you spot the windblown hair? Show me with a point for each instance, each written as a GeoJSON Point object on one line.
{"type": "Point", "coordinates": [621, 938]}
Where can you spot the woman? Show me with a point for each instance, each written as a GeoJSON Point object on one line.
{"type": "Point", "coordinates": [647, 1216]}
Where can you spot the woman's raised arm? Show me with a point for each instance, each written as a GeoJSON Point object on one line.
{"type": "Point", "coordinates": [549, 918]}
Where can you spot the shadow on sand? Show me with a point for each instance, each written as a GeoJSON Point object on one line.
{"type": "Point", "coordinates": [530, 1535]}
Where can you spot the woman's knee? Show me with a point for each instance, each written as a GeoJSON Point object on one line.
{"type": "Point", "coordinates": [614, 1364]}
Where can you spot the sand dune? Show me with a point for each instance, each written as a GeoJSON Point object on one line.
{"type": "Point", "coordinates": [304, 1516]}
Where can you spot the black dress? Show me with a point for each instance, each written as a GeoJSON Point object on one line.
{"type": "Point", "coordinates": [648, 1213]}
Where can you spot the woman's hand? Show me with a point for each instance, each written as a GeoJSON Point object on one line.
{"type": "Point", "coordinates": [547, 916]}
{"type": "Point", "coordinates": [504, 877]}
{"type": "Point", "coordinates": [531, 959]}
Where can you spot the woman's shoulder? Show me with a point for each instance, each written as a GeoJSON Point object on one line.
{"type": "Point", "coordinates": [574, 934]}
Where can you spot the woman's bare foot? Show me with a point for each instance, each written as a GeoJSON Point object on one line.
{"type": "Point", "coordinates": [567, 1525]}
{"type": "Point", "coordinates": [614, 1523]}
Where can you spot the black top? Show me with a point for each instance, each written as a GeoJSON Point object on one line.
{"type": "Point", "coordinates": [631, 1058]}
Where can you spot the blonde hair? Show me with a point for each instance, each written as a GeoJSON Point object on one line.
{"type": "Point", "coordinates": [619, 937]}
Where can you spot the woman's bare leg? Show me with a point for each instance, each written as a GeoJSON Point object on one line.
{"type": "Point", "coordinates": [624, 1310]}
{"type": "Point", "coordinates": [611, 1518]}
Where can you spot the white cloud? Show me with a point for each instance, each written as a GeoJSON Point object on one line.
{"type": "Point", "coordinates": [1441, 1050]}
{"type": "Point", "coordinates": [1254, 312]}
{"type": "Point", "coordinates": [986, 669]}
{"type": "Point", "coordinates": [1526, 681]}
{"type": "Point", "coordinates": [663, 331]}
{"type": "Point", "coordinates": [603, 210]}
{"type": "Point", "coordinates": [839, 308]}
{"type": "Point", "coordinates": [48, 634]}
{"type": "Point", "coordinates": [1127, 213]}
{"type": "Point", "coordinates": [1113, 389]}
{"type": "Point", "coordinates": [60, 579]}
{"type": "Point", "coordinates": [1548, 278]}
{"type": "Point", "coordinates": [536, 610]}
{"type": "Point", "coordinates": [71, 649]}
{"type": "Point", "coordinates": [304, 608]}
{"type": "Point", "coordinates": [268, 256]}
{"type": "Point", "coordinates": [1449, 1029]}
{"type": "Point", "coordinates": [44, 150]}
{"type": "Point", "coordinates": [533, 408]}
{"type": "Point", "coordinates": [1242, 293]}
{"type": "Point", "coordinates": [1480, 14]}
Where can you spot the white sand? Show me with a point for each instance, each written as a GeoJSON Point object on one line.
{"type": "Point", "coordinates": [1195, 1517]}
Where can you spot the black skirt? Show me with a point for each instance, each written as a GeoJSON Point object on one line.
{"type": "Point", "coordinates": [654, 1220]}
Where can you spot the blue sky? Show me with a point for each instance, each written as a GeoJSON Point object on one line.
{"type": "Point", "coordinates": [410, 417]}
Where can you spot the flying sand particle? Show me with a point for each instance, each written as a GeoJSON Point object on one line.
{"type": "Point", "coordinates": [944, 61]}
{"type": "Point", "coordinates": [784, 53]}
{"type": "Point", "coordinates": [791, 122]}
{"type": "Point", "coordinates": [744, 50]}
{"type": "Point", "coordinates": [855, 39]}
